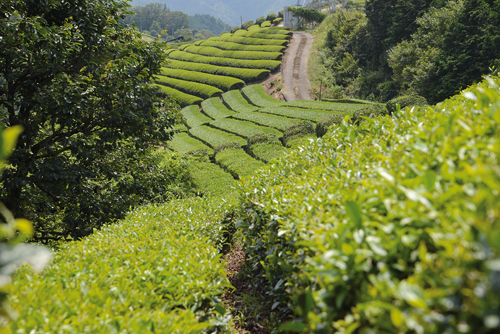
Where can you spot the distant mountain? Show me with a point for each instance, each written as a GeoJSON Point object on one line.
{"type": "Point", "coordinates": [229, 11]}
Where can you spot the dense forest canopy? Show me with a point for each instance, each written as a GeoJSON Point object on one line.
{"type": "Point", "coordinates": [78, 81]}
{"type": "Point", "coordinates": [157, 19]}
{"type": "Point", "coordinates": [432, 48]}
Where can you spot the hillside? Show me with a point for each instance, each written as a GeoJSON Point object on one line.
{"type": "Point", "coordinates": [229, 11]}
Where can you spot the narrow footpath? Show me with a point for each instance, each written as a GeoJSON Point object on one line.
{"type": "Point", "coordinates": [296, 84]}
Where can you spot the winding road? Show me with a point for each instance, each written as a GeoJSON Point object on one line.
{"type": "Point", "coordinates": [296, 84]}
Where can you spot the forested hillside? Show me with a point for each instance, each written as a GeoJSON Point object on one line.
{"type": "Point", "coordinates": [430, 48]}
{"type": "Point", "coordinates": [229, 11]}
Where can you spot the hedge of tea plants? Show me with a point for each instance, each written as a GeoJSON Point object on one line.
{"type": "Point", "coordinates": [392, 226]}
{"type": "Point", "coordinates": [192, 116]}
{"type": "Point", "coordinates": [234, 54]}
{"type": "Point", "coordinates": [243, 128]}
{"type": "Point", "coordinates": [242, 47]}
{"type": "Point", "coordinates": [237, 162]}
{"type": "Point", "coordinates": [245, 74]}
{"type": "Point", "coordinates": [237, 102]}
{"type": "Point", "coordinates": [188, 87]}
{"type": "Point", "coordinates": [249, 40]}
{"type": "Point", "coordinates": [215, 137]}
{"type": "Point", "coordinates": [216, 109]}
{"type": "Point", "coordinates": [257, 95]}
{"type": "Point", "coordinates": [182, 98]}
{"type": "Point", "coordinates": [222, 82]}
{"type": "Point", "coordinates": [151, 273]}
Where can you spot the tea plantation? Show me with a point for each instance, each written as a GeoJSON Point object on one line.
{"type": "Point", "coordinates": [209, 67]}
{"type": "Point", "coordinates": [355, 217]}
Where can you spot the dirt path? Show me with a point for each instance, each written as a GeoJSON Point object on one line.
{"type": "Point", "coordinates": [296, 84]}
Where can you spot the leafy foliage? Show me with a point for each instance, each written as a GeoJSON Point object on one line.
{"type": "Point", "coordinates": [150, 273]}
{"type": "Point", "coordinates": [237, 102]}
{"type": "Point", "coordinates": [219, 81]}
{"type": "Point", "coordinates": [249, 40]}
{"type": "Point", "coordinates": [243, 128]}
{"type": "Point", "coordinates": [216, 109]}
{"type": "Point", "coordinates": [185, 144]}
{"type": "Point", "coordinates": [251, 55]}
{"type": "Point", "coordinates": [78, 81]}
{"type": "Point", "coordinates": [237, 162]}
{"type": "Point", "coordinates": [214, 137]}
{"type": "Point", "coordinates": [194, 117]}
{"type": "Point", "coordinates": [272, 65]}
{"type": "Point", "coordinates": [405, 101]}
{"type": "Point", "coordinates": [390, 226]}
{"type": "Point", "coordinates": [242, 47]}
{"type": "Point", "coordinates": [244, 74]}
{"type": "Point", "coordinates": [273, 121]}
{"type": "Point", "coordinates": [189, 87]}
{"type": "Point", "coordinates": [182, 98]}
{"type": "Point", "coordinates": [258, 96]}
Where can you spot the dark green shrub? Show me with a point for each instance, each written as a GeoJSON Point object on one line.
{"type": "Point", "coordinates": [405, 101]}
{"type": "Point", "coordinates": [260, 138]}
{"type": "Point", "coordinates": [373, 110]}
{"type": "Point", "coordinates": [324, 124]}
{"type": "Point", "coordinates": [247, 24]}
{"type": "Point", "coordinates": [234, 29]}
{"type": "Point", "coordinates": [260, 20]}
{"type": "Point", "coordinates": [226, 146]}
{"type": "Point", "coordinates": [299, 129]}
{"type": "Point", "coordinates": [278, 20]}
{"type": "Point", "coordinates": [281, 14]}
{"type": "Point", "coordinates": [271, 17]}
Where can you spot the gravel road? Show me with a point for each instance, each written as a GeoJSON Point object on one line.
{"type": "Point", "coordinates": [296, 84]}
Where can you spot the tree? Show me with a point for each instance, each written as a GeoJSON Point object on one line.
{"type": "Point", "coordinates": [78, 81]}
{"type": "Point", "coordinates": [470, 47]}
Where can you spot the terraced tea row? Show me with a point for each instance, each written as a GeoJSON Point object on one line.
{"type": "Point", "coordinates": [223, 63]}
{"type": "Point", "coordinates": [251, 134]}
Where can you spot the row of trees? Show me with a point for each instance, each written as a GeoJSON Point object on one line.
{"type": "Point", "coordinates": [78, 82]}
{"type": "Point", "coordinates": [428, 47]}
{"type": "Point", "coordinates": [155, 18]}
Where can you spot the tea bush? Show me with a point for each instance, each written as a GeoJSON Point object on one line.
{"type": "Point", "coordinates": [273, 121]}
{"type": "Point", "coordinates": [214, 108]}
{"type": "Point", "coordinates": [243, 128]}
{"type": "Point", "coordinates": [258, 96]}
{"type": "Point", "coordinates": [214, 137]}
{"type": "Point", "coordinates": [317, 105]}
{"type": "Point", "coordinates": [152, 273]}
{"type": "Point", "coordinates": [188, 87]}
{"type": "Point", "coordinates": [250, 40]}
{"type": "Point", "coordinates": [258, 34]}
{"type": "Point", "coordinates": [185, 144]}
{"type": "Point", "coordinates": [266, 24]}
{"type": "Point", "coordinates": [237, 162]}
{"type": "Point", "coordinates": [272, 65]}
{"type": "Point", "coordinates": [247, 24]}
{"type": "Point", "coordinates": [222, 82]}
{"type": "Point", "coordinates": [242, 47]}
{"type": "Point", "coordinates": [193, 116]}
{"type": "Point", "coordinates": [245, 74]}
{"type": "Point", "coordinates": [405, 101]}
{"type": "Point", "coordinates": [237, 102]}
{"type": "Point", "coordinates": [210, 179]}
{"type": "Point", "coordinates": [392, 226]}
{"type": "Point", "coordinates": [248, 55]}
{"type": "Point", "coordinates": [182, 98]}
{"type": "Point", "coordinates": [299, 113]}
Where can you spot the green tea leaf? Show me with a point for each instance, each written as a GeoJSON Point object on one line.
{"type": "Point", "coordinates": [354, 213]}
